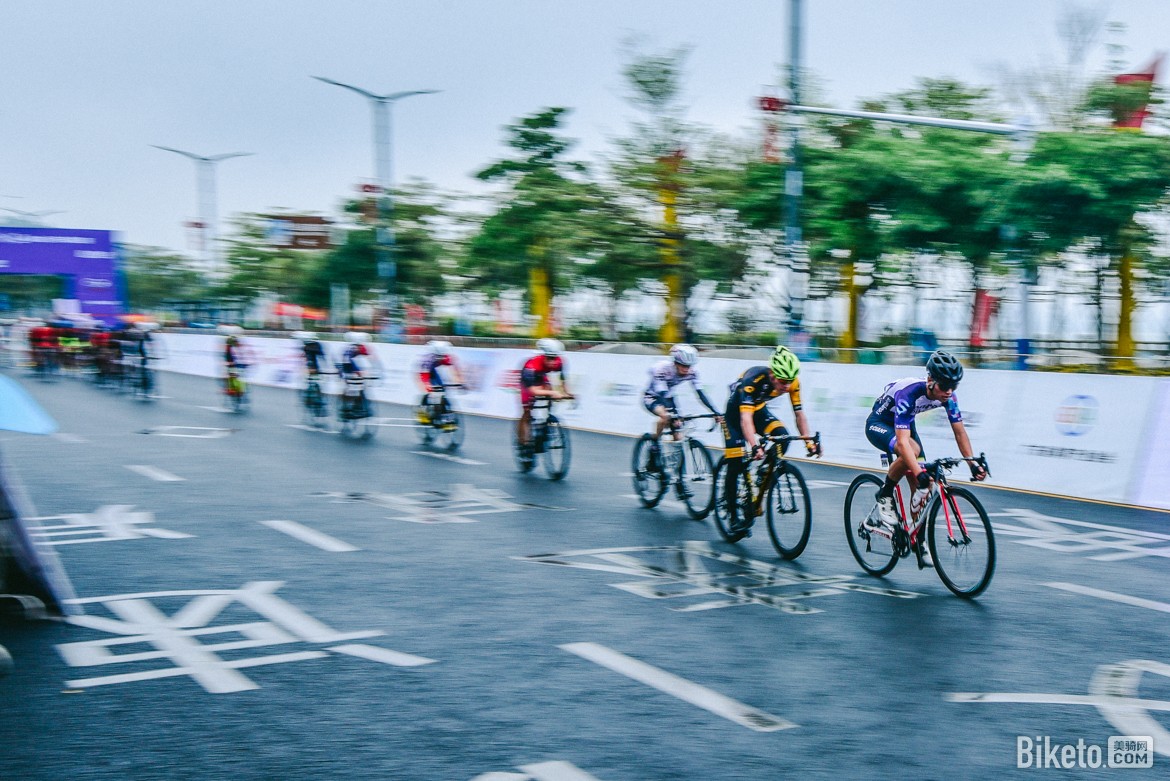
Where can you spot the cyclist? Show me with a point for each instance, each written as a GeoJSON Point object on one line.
{"type": "Point", "coordinates": [234, 359]}
{"type": "Point", "coordinates": [312, 351]}
{"type": "Point", "coordinates": [891, 429]}
{"type": "Point", "coordinates": [438, 354]}
{"type": "Point", "coordinates": [747, 414]}
{"type": "Point", "coordinates": [535, 384]}
{"type": "Point", "coordinates": [138, 347]}
{"type": "Point", "coordinates": [667, 375]}
{"type": "Point", "coordinates": [44, 344]}
{"type": "Point", "coordinates": [356, 366]}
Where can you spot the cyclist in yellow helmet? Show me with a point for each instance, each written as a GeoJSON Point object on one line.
{"type": "Point", "coordinates": [747, 413]}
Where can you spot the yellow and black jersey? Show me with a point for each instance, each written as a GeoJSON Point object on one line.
{"type": "Point", "coordinates": [756, 387]}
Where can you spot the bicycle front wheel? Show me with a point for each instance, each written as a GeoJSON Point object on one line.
{"type": "Point", "coordinates": [789, 511]}
{"type": "Point", "coordinates": [961, 542]}
{"type": "Point", "coordinates": [870, 539]}
{"type": "Point", "coordinates": [697, 479]}
{"type": "Point", "coordinates": [556, 449]}
{"type": "Point", "coordinates": [649, 482]}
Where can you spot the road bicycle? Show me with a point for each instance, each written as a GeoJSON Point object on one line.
{"type": "Point", "coordinates": [235, 388]}
{"type": "Point", "coordinates": [684, 464]}
{"type": "Point", "coordinates": [549, 441]}
{"type": "Point", "coordinates": [956, 529]}
{"type": "Point", "coordinates": [774, 481]}
{"type": "Point", "coordinates": [142, 379]}
{"type": "Point", "coordinates": [314, 405]}
{"type": "Point", "coordinates": [438, 423]}
{"type": "Point", "coordinates": [355, 411]}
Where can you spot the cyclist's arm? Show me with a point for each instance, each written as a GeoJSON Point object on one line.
{"type": "Point", "coordinates": [706, 402]}
{"type": "Point", "coordinates": [964, 443]}
{"type": "Point", "coordinates": [747, 425]}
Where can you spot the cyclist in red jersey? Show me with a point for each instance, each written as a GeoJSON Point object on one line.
{"type": "Point", "coordinates": [535, 384]}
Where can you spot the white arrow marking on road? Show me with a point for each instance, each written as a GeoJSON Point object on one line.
{"type": "Point", "coordinates": [311, 536]}
{"type": "Point", "coordinates": [383, 655]}
{"type": "Point", "coordinates": [1112, 596]}
{"type": "Point", "coordinates": [685, 690]}
{"type": "Point", "coordinates": [154, 473]}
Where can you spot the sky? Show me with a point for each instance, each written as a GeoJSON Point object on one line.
{"type": "Point", "coordinates": [86, 88]}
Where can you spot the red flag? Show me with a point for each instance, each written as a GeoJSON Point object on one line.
{"type": "Point", "coordinates": [1148, 75]}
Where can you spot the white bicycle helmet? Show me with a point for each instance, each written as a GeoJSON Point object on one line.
{"type": "Point", "coordinates": [304, 336]}
{"type": "Point", "coordinates": [551, 348]}
{"type": "Point", "coordinates": [440, 347]}
{"type": "Point", "coordinates": [684, 355]}
{"type": "Point", "coordinates": [357, 337]}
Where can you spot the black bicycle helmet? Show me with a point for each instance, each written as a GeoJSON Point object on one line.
{"type": "Point", "coordinates": [944, 369]}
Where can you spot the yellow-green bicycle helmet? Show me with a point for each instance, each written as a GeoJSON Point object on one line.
{"type": "Point", "coordinates": [784, 364]}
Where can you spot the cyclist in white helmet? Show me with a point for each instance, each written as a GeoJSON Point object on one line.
{"type": "Point", "coordinates": [535, 383]}
{"type": "Point", "coordinates": [434, 400]}
{"type": "Point", "coordinates": [665, 376]}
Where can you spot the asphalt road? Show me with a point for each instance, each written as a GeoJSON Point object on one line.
{"type": "Point", "coordinates": [268, 602]}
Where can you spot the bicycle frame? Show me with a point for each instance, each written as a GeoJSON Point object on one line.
{"type": "Point", "coordinates": [772, 459]}
{"type": "Point", "coordinates": [914, 526]}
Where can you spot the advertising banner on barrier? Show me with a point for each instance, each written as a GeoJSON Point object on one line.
{"type": "Point", "coordinates": [1092, 436]}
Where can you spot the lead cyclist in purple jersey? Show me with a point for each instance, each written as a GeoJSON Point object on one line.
{"type": "Point", "coordinates": [890, 426]}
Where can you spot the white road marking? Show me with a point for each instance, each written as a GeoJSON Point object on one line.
{"type": "Point", "coordinates": [316, 429]}
{"type": "Point", "coordinates": [448, 457]}
{"type": "Point", "coordinates": [556, 771]}
{"type": "Point", "coordinates": [685, 690]}
{"type": "Point", "coordinates": [71, 439]}
{"type": "Point", "coordinates": [383, 655]}
{"type": "Point", "coordinates": [154, 473]}
{"type": "Point", "coordinates": [1113, 692]}
{"type": "Point", "coordinates": [203, 432]}
{"type": "Point", "coordinates": [311, 536]}
{"type": "Point", "coordinates": [1112, 596]}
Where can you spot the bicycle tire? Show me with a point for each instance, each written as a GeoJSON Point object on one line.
{"type": "Point", "coordinates": [649, 483]}
{"type": "Point", "coordinates": [862, 541]}
{"type": "Point", "coordinates": [449, 436]}
{"type": "Point", "coordinates": [557, 453]}
{"type": "Point", "coordinates": [697, 479]}
{"type": "Point", "coordinates": [365, 423]}
{"type": "Point", "coordinates": [956, 557]}
{"type": "Point", "coordinates": [720, 512]}
{"type": "Point", "coordinates": [789, 511]}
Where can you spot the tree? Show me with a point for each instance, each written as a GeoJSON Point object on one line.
{"type": "Point", "coordinates": [154, 275]}
{"type": "Point", "coordinates": [256, 265]}
{"type": "Point", "coordinates": [532, 236]}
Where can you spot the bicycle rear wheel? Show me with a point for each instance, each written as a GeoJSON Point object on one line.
{"type": "Point", "coordinates": [961, 542]}
{"type": "Point", "coordinates": [789, 511]}
{"type": "Point", "coordinates": [723, 513]}
{"type": "Point", "coordinates": [697, 479]}
{"type": "Point", "coordinates": [556, 449]}
{"type": "Point", "coordinates": [870, 540]}
{"type": "Point", "coordinates": [649, 482]}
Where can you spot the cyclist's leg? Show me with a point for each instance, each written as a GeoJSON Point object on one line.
{"type": "Point", "coordinates": [655, 407]}
{"type": "Point", "coordinates": [524, 424]}
{"type": "Point", "coordinates": [734, 446]}
{"type": "Point", "coordinates": [767, 423]}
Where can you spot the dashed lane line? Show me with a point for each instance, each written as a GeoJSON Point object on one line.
{"type": "Point", "coordinates": [311, 536]}
{"type": "Point", "coordinates": [154, 473]}
{"type": "Point", "coordinates": [1112, 596]}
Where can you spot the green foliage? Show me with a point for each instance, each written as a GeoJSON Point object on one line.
{"type": "Point", "coordinates": [154, 275]}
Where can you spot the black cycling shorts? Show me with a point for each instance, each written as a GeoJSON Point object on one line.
{"type": "Point", "coordinates": [733, 439]}
{"type": "Point", "coordinates": [882, 435]}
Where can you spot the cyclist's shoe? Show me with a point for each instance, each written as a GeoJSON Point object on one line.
{"type": "Point", "coordinates": [653, 462]}
{"type": "Point", "coordinates": [684, 491]}
{"type": "Point", "coordinates": [883, 513]}
{"type": "Point", "coordinates": [741, 526]}
{"type": "Point", "coordinates": [923, 555]}
{"type": "Point", "coordinates": [423, 417]}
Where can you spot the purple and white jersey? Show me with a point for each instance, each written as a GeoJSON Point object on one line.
{"type": "Point", "coordinates": [903, 400]}
{"type": "Point", "coordinates": [664, 378]}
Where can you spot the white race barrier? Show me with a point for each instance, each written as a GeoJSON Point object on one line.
{"type": "Point", "coordinates": [1083, 435]}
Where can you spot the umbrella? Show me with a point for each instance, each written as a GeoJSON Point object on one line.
{"type": "Point", "coordinates": [19, 412]}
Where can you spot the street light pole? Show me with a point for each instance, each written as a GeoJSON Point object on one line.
{"type": "Point", "coordinates": [794, 176]}
{"type": "Point", "coordinates": [380, 107]}
{"type": "Point", "coordinates": [205, 188]}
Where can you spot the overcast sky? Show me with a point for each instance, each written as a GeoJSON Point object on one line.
{"type": "Point", "coordinates": [87, 87]}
